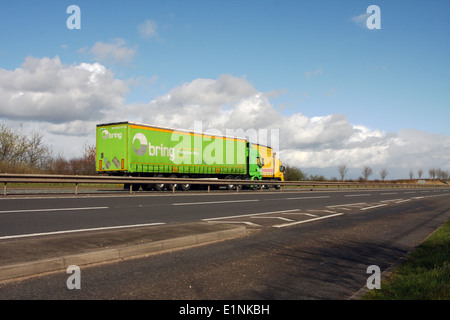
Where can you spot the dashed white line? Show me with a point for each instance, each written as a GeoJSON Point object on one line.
{"type": "Point", "coordinates": [357, 195]}
{"type": "Point", "coordinates": [211, 202]}
{"type": "Point", "coordinates": [53, 209]}
{"type": "Point", "coordinates": [300, 198]}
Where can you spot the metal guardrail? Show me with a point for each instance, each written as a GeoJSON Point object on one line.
{"type": "Point", "coordinates": [76, 180]}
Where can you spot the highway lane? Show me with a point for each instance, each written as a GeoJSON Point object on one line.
{"type": "Point", "coordinates": [324, 259]}
{"type": "Point", "coordinates": [25, 216]}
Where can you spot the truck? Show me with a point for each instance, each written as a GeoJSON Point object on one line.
{"type": "Point", "coordinates": [272, 169]}
{"type": "Point", "coordinates": [142, 150]}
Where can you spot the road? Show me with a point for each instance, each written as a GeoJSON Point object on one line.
{"type": "Point", "coordinates": [301, 245]}
{"type": "Point", "coordinates": [23, 216]}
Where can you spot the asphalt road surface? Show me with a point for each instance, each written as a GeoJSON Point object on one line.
{"type": "Point", "coordinates": [22, 216]}
{"type": "Point", "coordinates": [300, 245]}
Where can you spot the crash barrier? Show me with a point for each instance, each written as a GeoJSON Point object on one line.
{"type": "Point", "coordinates": [172, 183]}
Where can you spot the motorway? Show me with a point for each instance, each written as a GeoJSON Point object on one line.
{"type": "Point", "coordinates": [300, 245]}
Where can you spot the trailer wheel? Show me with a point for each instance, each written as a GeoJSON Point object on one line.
{"type": "Point", "coordinates": [159, 186]}
{"type": "Point", "coordinates": [185, 186]}
{"type": "Point", "coordinates": [239, 186]}
{"type": "Point", "coordinates": [172, 186]}
{"type": "Point", "coordinates": [230, 186]}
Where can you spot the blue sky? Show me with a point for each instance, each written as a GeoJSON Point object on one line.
{"type": "Point", "coordinates": [309, 57]}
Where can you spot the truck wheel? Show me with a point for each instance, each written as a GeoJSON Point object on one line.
{"type": "Point", "coordinates": [172, 186]}
{"type": "Point", "coordinates": [238, 186]}
{"type": "Point", "coordinates": [185, 186]}
{"type": "Point", "coordinates": [159, 186]}
{"type": "Point", "coordinates": [230, 186]}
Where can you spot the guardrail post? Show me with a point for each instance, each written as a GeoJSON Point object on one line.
{"type": "Point", "coordinates": [209, 188]}
{"type": "Point", "coordinates": [4, 189]}
{"type": "Point", "coordinates": [76, 188]}
{"type": "Point", "coordinates": [173, 188]}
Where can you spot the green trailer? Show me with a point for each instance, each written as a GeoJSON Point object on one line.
{"type": "Point", "coordinates": [134, 149]}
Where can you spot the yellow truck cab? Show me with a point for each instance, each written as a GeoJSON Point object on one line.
{"type": "Point", "coordinates": [272, 168]}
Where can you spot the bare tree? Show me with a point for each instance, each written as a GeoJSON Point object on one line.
{"type": "Point", "coordinates": [411, 174]}
{"type": "Point", "coordinates": [432, 173]}
{"type": "Point", "coordinates": [419, 173]}
{"type": "Point", "coordinates": [383, 173]}
{"type": "Point", "coordinates": [37, 152]}
{"type": "Point", "coordinates": [342, 171]}
{"type": "Point", "coordinates": [367, 171]}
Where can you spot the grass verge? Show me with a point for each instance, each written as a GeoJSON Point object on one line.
{"type": "Point", "coordinates": [425, 275]}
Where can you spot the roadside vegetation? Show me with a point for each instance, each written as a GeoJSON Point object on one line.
{"type": "Point", "coordinates": [26, 152]}
{"type": "Point", "coordinates": [425, 275]}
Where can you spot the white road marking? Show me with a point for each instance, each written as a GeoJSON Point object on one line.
{"type": "Point", "coordinates": [244, 222]}
{"type": "Point", "coordinates": [400, 201]}
{"type": "Point", "coordinates": [379, 205]}
{"type": "Point", "coordinates": [211, 202]}
{"type": "Point", "coordinates": [301, 198]}
{"type": "Point", "coordinates": [305, 221]}
{"type": "Point", "coordinates": [357, 195]}
{"type": "Point", "coordinates": [302, 213]}
{"type": "Point", "coordinates": [347, 204]}
{"type": "Point", "coordinates": [247, 215]}
{"type": "Point", "coordinates": [53, 209]}
{"type": "Point", "coordinates": [281, 218]}
{"type": "Point", "coordinates": [79, 230]}
{"type": "Point", "coordinates": [392, 200]}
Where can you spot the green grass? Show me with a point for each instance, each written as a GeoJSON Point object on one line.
{"type": "Point", "coordinates": [425, 275]}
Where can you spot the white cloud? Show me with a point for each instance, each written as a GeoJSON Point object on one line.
{"type": "Point", "coordinates": [360, 20]}
{"type": "Point", "coordinates": [148, 29]}
{"type": "Point", "coordinates": [67, 101]}
{"type": "Point", "coordinates": [115, 52]}
{"type": "Point", "coordinates": [320, 142]}
{"type": "Point", "coordinates": [46, 90]}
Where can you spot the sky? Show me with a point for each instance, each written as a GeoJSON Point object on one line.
{"type": "Point", "coordinates": [313, 76]}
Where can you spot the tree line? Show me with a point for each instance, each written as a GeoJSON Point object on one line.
{"type": "Point", "coordinates": [27, 152]}
{"type": "Point", "coordinates": [293, 173]}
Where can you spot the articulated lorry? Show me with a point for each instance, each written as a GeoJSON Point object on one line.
{"type": "Point", "coordinates": [134, 149]}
